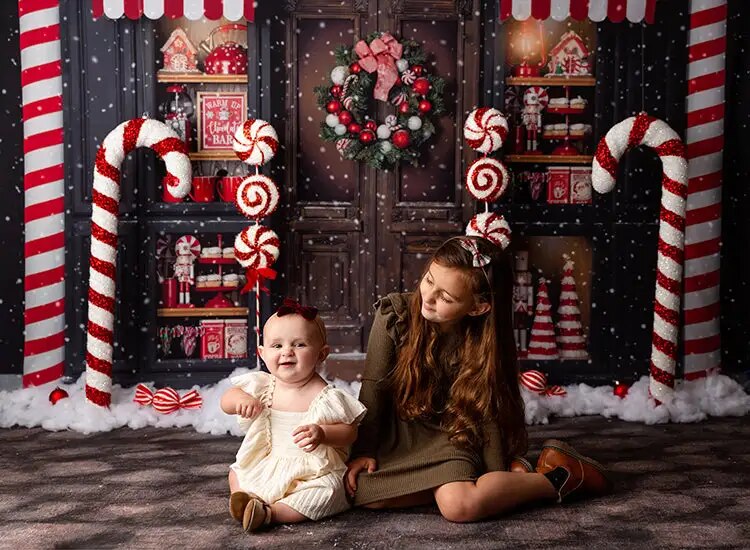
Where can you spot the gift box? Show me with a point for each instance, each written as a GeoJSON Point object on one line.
{"type": "Point", "coordinates": [558, 185]}
{"type": "Point", "coordinates": [212, 339]}
{"type": "Point", "coordinates": [235, 338]}
{"type": "Point", "coordinates": [580, 185]}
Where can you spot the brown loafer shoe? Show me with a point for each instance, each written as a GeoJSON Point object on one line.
{"type": "Point", "coordinates": [521, 465]}
{"type": "Point", "coordinates": [580, 476]}
{"type": "Point", "coordinates": [237, 502]}
{"type": "Point", "coordinates": [257, 515]}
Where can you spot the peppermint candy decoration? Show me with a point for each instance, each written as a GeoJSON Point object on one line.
{"type": "Point", "coordinates": [255, 142]}
{"type": "Point", "coordinates": [399, 98]}
{"type": "Point", "coordinates": [534, 381]}
{"type": "Point", "coordinates": [392, 122]}
{"type": "Point", "coordinates": [657, 135]}
{"type": "Point", "coordinates": [485, 129]}
{"type": "Point", "coordinates": [536, 95]}
{"type": "Point", "coordinates": [408, 77]}
{"type": "Point", "coordinates": [342, 145]}
{"type": "Point", "coordinates": [256, 247]}
{"type": "Point", "coordinates": [257, 197]}
{"type": "Point", "coordinates": [348, 102]}
{"type": "Point", "coordinates": [490, 226]}
{"type": "Point", "coordinates": [139, 132]}
{"type": "Point", "coordinates": [487, 179]}
{"type": "Point", "coordinates": [192, 242]}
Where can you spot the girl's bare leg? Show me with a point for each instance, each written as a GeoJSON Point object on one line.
{"type": "Point", "coordinates": [234, 484]}
{"type": "Point", "coordinates": [492, 494]}
{"type": "Point", "coordinates": [407, 501]}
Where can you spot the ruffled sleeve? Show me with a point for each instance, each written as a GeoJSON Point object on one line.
{"type": "Point", "coordinates": [394, 309]}
{"type": "Point", "coordinates": [259, 385]}
{"type": "Point", "coordinates": [337, 407]}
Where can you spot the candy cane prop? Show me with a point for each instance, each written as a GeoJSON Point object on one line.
{"type": "Point", "coordinates": [139, 132]}
{"type": "Point", "coordinates": [656, 134]}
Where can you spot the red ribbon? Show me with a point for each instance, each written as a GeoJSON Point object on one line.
{"type": "Point", "coordinates": [167, 400]}
{"type": "Point", "coordinates": [258, 275]}
{"type": "Point", "coordinates": [381, 55]}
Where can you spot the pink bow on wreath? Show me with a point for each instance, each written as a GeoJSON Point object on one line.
{"type": "Point", "coordinates": [257, 275]}
{"type": "Point", "coordinates": [167, 400]}
{"type": "Point", "coordinates": [380, 55]}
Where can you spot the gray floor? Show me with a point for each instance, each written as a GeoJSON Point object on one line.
{"type": "Point", "coordinates": [679, 486]}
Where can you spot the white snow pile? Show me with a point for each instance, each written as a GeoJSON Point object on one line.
{"type": "Point", "coordinates": [717, 395]}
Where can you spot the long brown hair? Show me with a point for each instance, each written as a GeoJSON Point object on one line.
{"type": "Point", "coordinates": [485, 389]}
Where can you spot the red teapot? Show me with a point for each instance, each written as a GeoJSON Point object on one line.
{"type": "Point", "coordinates": [230, 56]}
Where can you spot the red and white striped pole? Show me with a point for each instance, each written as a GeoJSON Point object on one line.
{"type": "Point", "coordinates": [705, 142]}
{"type": "Point", "coordinates": [44, 211]}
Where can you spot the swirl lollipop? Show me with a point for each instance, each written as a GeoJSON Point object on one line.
{"type": "Point", "coordinates": [490, 226]}
{"type": "Point", "coordinates": [255, 142]}
{"type": "Point", "coordinates": [257, 197]}
{"type": "Point", "coordinates": [256, 247]}
{"type": "Point", "coordinates": [487, 179]}
{"type": "Point", "coordinates": [485, 129]}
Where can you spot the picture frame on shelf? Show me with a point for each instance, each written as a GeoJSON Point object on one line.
{"type": "Point", "coordinates": [219, 115]}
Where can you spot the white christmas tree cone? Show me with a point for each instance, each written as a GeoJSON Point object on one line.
{"type": "Point", "coordinates": [570, 339]}
{"type": "Point", "coordinates": [542, 345]}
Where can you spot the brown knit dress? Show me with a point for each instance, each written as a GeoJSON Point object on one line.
{"type": "Point", "coordinates": [412, 455]}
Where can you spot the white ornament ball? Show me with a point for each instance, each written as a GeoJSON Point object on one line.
{"type": "Point", "coordinates": [426, 134]}
{"type": "Point", "coordinates": [386, 146]}
{"type": "Point", "coordinates": [339, 130]}
{"type": "Point", "coordinates": [339, 74]}
{"type": "Point", "coordinates": [414, 123]}
{"type": "Point", "coordinates": [402, 65]}
{"type": "Point", "coordinates": [332, 120]}
{"type": "Point", "coordinates": [383, 132]}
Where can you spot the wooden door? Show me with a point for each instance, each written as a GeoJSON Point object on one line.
{"type": "Point", "coordinates": [352, 233]}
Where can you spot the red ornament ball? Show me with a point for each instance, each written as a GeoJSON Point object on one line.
{"type": "Point", "coordinates": [421, 86]}
{"type": "Point", "coordinates": [425, 106]}
{"type": "Point", "coordinates": [336, 91]}
{"type": "Point", "coordinates": [404, 108]}
{"type": "Point", "coordinates": [621, 390]}
{"type": "Point", "coordinates": [56, 395]}
{"type": "Point", "coordinates": [398, 81]}
{"type": "Point", "coordinates": [333, 106]}
{"type": "Point", "coordinates": [418, 70]}
{"type": "Point", "coordinates": [401, 139]}
{"type": "Point", "coordinates": [354, 68]}
{"type": "Point", "coordinates": [370, 125]}
{"type": "Point", "coordinates": [367, 136]}
{"type": "Point", "coordinates": [345, 117]}
{"type": "Point", "coordinates": [354, 128]}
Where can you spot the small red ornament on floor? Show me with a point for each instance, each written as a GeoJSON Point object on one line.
{"type": "Point", "coordinates": [354, 68]}
{"type": "Point", "coordinates": [367, 136]}
{"type": "Point", "coordinates": [333, 106]}
{"type": "Point", "coordinates": [56, 395]}
{"type": "Point", "coordinates": [425, 106]}
{"type": "Point", "coordinates": [401, 139]}
{"type": "Point", "coordinates": [421, 86]}
{"type": "Point", "coordinates": [621, 390]}
{"type": "Point", "coordinates": [345, 118]}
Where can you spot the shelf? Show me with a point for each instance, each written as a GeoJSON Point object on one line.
{"type": "Point", "coordinates": [213, 155]}
{"type": "Point", "coordinates": [201, 78]}
{"type": "Point", "coordinates": [550, 159]}
{"type": "Point", "coordinates": [568, 136]}
{"type": "Point", "coordinates": [202, 312]}
{"type": "Point", "coordinates": [216, 288]}
{"type": "Point", "coordinates": [564, 111]}
{"type": "Point", "coordinates": [551, 81]}
{"type": "Point", "coordinates": [216, 260]}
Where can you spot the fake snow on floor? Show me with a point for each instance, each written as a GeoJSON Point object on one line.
{"type": "Point", "coordinates": [717, 395]}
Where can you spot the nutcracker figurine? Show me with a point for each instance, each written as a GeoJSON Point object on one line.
{"type": "Point", "coordinates": [523, 301]}
{"type": "Point", "coordinates": [535, 99]}
{"type": "Point", "coordinates": [187, 249]}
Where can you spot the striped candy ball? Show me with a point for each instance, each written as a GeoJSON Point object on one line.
{"type": "Point", "coordinates": [257, 197]}
{"type": "Point", "coordinates": [490, 226]}
{"type": "Point", "coordinates": [255, 142]}
{"type": "Point", "coordinates": [256, 246]}
{"type": "Point", "coordinates": [485, 129]}
{"type": "Point", "coordinates": [534, 381]}
{"type": "Point", "coordinates": [487, 179]}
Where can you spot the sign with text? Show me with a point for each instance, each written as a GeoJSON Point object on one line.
{"type": "Point", "coordinates": [219, 115]}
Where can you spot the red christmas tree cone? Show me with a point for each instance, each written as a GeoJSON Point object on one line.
{"type": "Point", "coordinates": [570, 339]}
{"type": "Point", "coordinates": [543, 344]}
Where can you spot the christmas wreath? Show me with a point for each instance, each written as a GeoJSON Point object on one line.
{"type": "Point", "coordinates": [385, 69]}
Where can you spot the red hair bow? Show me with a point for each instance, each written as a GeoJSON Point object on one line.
{"type": "Point", "coordinates": [167, 400]}
{"type": "Point", "coordinates": [290, 306]}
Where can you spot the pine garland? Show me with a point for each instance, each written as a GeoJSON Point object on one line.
{"type": "Point", "coordinates": [360, 90]}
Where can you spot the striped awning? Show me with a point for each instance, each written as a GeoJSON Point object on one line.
{"type": "Point", "coordinates": [233, 10]}
{"type": "Point", "coordinates": [634, 11]}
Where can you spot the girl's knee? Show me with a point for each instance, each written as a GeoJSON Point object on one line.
{"type": "Point", "coordinates": [457, 506]}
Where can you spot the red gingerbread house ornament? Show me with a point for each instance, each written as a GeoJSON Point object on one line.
{"type": "Point", "coordinates": [569, 56]}
{"type": "Point", "coordinates": [180, 56]}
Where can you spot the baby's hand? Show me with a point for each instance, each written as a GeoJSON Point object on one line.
{"type": "Point", "coordinates": [308, 437]}
{"type": "Point", "coordinates": [248, 407]}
